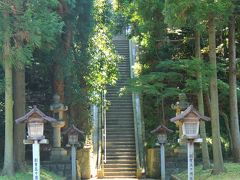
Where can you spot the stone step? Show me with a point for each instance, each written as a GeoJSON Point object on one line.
{"type": "Point", "coordinates": [120, 151]}
{"type": "Point", "coordinates": [129, 135]}
{"type": "Point", "coordinates": [120, 165]}
{"type": "Point", "coordinates": [116, 153]}
{"type": "Point", "coordinates": [121, 146]}
{"type": "Point", "coordinates": [116, 120]}
{"type": "Point", "coordinates": [121, 161]}
{"type": "Point", "coordinates": [121, 139]}
{"type": "Point", "coordinates": [120, 174]}
{"type": "Point", "coordinates": [122, 125]}
{"type": "Point", "coordinates": [119, 133]}
{"type": "Point", "coordinates": [124, 117]}
{"type": "Point", "coordinates": [121, 157]}
{"type": "Point", "coordinates": [119, 124]}
{"type": "Point", "coordinates": [123, 130]}
{"type": "Point", "coordinates": [119, 169]}
{"type": "Point", "coordinates": [120, 177]}
{"type": "Point", "coordinates": [115, 143]}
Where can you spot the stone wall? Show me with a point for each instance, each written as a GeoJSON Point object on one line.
{"type": "Point", "coordinates": [63, 168]}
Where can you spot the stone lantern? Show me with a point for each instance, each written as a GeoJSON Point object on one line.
{"type": "Point", "coordinates": [73, 134]}
{"type": "Point", "coordinates": [35, 120]}
{"type": "Point", "coordinates": [161, 132]}
{"type": "Point", "coordinates": [58, 109]}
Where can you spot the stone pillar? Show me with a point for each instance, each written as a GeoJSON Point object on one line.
{"type": "Point", "coordinates": [58, 153]}
{"type": "Point", "coordinates": [57, 133]}
{"type": "Point", "coordinates": [58, 109]}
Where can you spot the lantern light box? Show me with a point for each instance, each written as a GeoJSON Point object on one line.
{"type": "Point", "coordinates": [190, 122]}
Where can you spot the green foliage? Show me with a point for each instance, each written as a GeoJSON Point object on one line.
{"type": "Point", "coordinates": [45, 175]}
{"type": "Point", "coordinates": [33, 24]}
{"type": "Point", "coordinates": [102, 67]}
{"type": "Point", "coordinates": [170, 75]}
{"type": "Point", "coordinates": [232, 172]}
{"type": "Point", "coordinates": [194, 14]}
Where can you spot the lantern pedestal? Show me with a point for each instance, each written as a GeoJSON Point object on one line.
{"type": "Point", "coordinates": [58, 153]}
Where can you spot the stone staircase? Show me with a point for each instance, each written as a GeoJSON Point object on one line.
{"type": "Point", "coordinates": [121, 151]}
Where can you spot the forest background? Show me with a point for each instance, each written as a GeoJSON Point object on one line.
{"type": "Point", "coordinates": [64, 47]}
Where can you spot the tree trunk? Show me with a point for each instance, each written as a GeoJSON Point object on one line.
{"type": "Point", "coordinates": [234, 123]}
{"type": "Point", "coordinates": [226, 121]}
{"type": "Point", "coordinates": [218, 165]}
{"type": "Point", "coordinates": [62, 51]}
{"type": "Point", "coordinates": [58, 82]}
{"type": "Point", "coordinates": [19, 110]}
{"type": "Point", "coordinates": [205, 154]}
{"type": "Point", "coordinates": [8, 166]}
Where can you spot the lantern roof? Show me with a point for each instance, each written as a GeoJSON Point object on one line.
{"type": "Point", "coordinates": [190, 111]}
{"type": "Point", "coordinates": [161, 129]}
{"type": "Point", "coordinates": [35, 113]}
{"type": "Point", "coordinates": [71, 130]}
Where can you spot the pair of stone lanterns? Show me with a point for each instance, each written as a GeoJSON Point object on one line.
{"type": "Point", "coordinates": [35, 120]}
{"type": "Point", "coordinates": [190, 134]}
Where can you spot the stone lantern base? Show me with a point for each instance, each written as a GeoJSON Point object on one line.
{"type": "Point", "coordinates": [59, 154]}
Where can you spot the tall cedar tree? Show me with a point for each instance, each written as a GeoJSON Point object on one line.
{"type": "Point", "coordinates": [233, 100]}
{"type": "Point", "coordinates": [26, 26]}
{"type": "Point", "coordinates": [183, 14]}
{"type": "Point", "coordinates": [8, 166]}
{"type": "Point", "coordinates": [218, 165]}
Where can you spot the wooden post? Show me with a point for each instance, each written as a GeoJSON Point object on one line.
{"type": "Point", "coordinates": [190, 145]}
{"type": "Point", "coordinates": [73, 159]}
{"type": "Point", "coordinates": [36, 160]}
{"type": "Point", "coordinates": [162, 155]}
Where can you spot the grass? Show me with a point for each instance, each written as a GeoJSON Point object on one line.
{"type": "Point", "coordinates": [45, 175]}
{"type": "Point", "coordinates": [232, 173]}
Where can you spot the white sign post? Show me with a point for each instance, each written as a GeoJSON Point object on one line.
{"type": "Point", "coordinates": [36, 160]}
{"type": "Point", "coordinates": [190, 146]}
{"type": "Point", "coordinates": [162, 153]}
{"type": "Point", "coordinates": [73, 160]}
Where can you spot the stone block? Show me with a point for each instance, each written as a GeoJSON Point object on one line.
{"type": "Point", "coordinates": [60, 167]}
{"type": "Point", "coordinates": [153, 163]}
{"type": "Point", "coordinates": [83, 163]}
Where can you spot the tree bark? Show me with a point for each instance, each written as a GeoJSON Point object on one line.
{"type": "Point", "coordinates": [233, 100]}
{"type": "Point", "coordinates": [218, 165]}
{"type": "Point", "coordinates": [8, 166]}
{"type": "Point", "coordinates": [19, 111]}
{"type": "Point", "coordinates": [205, 154]}
{"type": "Point", "coordinates": [62, 51]}
{"type": "Point", "coordinates": [226, 121]}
